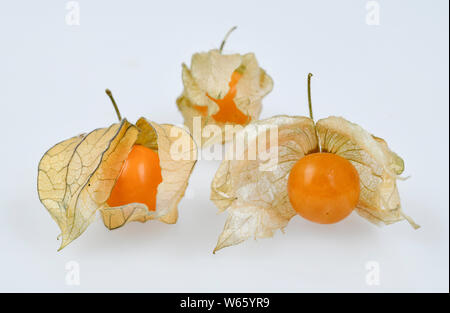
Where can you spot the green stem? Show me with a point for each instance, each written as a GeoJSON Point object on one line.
{"type": "Point", "coordinates": [309, 97]}
{"type": "Point", "coordinates": [226, 37]}
{"type": "Point", "coordinates": [311, 111]}
{"type": "Point", "coordinates": [109, 93]}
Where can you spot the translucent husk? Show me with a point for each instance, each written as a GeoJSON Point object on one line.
{"type": "Point", "coordinates": [76, 176]}
{"type": "Point", "coordinates": [210, 74]}
{"type": "Point", "coordinates": [257, 201]}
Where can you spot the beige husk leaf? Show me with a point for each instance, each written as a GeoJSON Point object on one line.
{"type": "Point", "coordinates": [177, 155]}
{"type": "Point", "coordinates": [377, 165]}
{"type": "Point", "coordinates": [210, 74]}
{"type": "Point", "coordinates": [76, 176]}
{"type": "Point", "coordinates": [257, 201]}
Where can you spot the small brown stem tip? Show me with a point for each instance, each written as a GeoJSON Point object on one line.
{"type": "Point", "coordinates": [109, 93]}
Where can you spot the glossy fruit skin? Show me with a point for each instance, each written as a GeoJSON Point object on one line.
{"type": "Point", "coordinates": [323, 188]}
{"type": "Point", "coordinates": [138, 179]}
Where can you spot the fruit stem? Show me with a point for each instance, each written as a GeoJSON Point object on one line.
{"type": "Point", "coordinates": [109, 93]}
{"type": "Point", "coordinates": [226, 38]}
{"type": "Point", "coordinates": [310, 75]}
{"type": "Point", "coordinates": [309, 97]}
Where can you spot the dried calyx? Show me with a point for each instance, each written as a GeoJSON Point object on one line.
{"type": "Point", "coordinates": [76, 176]}
{"type": "Point", "coordinates": [257, 201]}
{"type": "Point", "coordinates": [221, 89]}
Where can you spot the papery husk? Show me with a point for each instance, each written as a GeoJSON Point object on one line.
{"type": "Point", "coordinates": [377, 165]}
{"type": "Point", "coordinates": [177, 154]}
{"type": "Point", "coordinates": [76, 176]}
{"type": "Point", "coordinates": [210, 74]}
{"type": "Point", "coordinates": [256, 200]}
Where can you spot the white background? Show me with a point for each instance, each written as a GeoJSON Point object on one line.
{"type": "Point", "coordinates": [392, 79]}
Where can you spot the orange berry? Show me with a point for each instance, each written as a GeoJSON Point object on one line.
{"type": "Point", "coordinates": [323, 187]}
{"type": "Point", "coordinates": [138, 179]}
{"type": "Point", "coordinates": [228, 111]}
